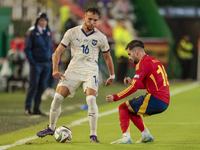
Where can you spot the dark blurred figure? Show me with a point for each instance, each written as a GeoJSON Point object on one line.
{"type": "Point", "coordinates": [122, 37]}
{"type": "Point", "coordinates": [185, 56]}
{"type": "Point", "coordinates": [71, 22]}
{"type": "Point", "coordinates": [38, 49]}
{"type": "Point", "coordinates": [66, 56]}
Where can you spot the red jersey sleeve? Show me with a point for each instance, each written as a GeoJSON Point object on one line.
{"type": "Point", "coordinates": [141, 71]}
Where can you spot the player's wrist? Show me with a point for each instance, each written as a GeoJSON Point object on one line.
{"type": "Point", "coordinates": [112, 76]}
{"type": "Point", "coordinates": [115, 98]}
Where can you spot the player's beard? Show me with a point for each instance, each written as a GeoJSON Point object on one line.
{"type": "Point", "coordinates": [136, 61]}
{"type": "Point", "coordinates": [89, 28]}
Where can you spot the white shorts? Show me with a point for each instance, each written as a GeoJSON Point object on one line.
{"type": "Point", "coordinates": [73, 80]}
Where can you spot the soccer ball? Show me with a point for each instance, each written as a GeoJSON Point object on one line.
{"type": "Point", "coordinates": [63, 134]}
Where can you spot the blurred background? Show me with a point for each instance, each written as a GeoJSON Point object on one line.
{"type": "Point", "coordinates": [160, 24]}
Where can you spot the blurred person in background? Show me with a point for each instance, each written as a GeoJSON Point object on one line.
{"type": "Point", "coordinates": [122, 36]}
{"type": "Point", "coordinates": [38, 49]}
{"type": "Point", "coordinates": [123, 9]}
{"type": "Point", "coordinates": [50, 91]}
{"type": "Point", "coordinates": [18, 43]}
{"type": "Point", "coordinates": [66, 55]}
{"type": "Point", "coordinates": [104, 26]}
{"type": "Point", "coordinates": [17, 59]}
{"type": "Point", "coordinates": [185, 56]}
{"type": "Point", "coordinates": [70, 22]}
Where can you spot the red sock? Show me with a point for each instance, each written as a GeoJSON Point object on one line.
{"type": "Point", "coordinates": [137, 120]}
{"type": "Point", "coordinates": [124, 117]}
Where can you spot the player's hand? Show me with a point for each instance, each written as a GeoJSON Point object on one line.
{"type": "Point", "coordinates": [57, 75]}
{"type": "Point", "coordinates": [127, 80]}
{"type": "Point", "coordinates": [109, 98]}
{"type": "Point", "coordinates": [109, 81]}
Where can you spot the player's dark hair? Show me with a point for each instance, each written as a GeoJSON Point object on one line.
{"type": "Point", "coordinates": [94, 10]}
{"type": "Point", "coordinates": [135, 43]}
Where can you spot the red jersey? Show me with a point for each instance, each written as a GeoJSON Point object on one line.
{"type": "Point", "coordinates": [150, 74]}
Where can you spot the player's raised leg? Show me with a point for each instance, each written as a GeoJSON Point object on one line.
{"type": "Point", "coordinates": [55, 110]}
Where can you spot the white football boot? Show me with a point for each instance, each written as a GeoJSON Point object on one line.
{"type": "Point", "coordinates": [150, 138]}
{"type": "Point", "coordinates": [123, 140]}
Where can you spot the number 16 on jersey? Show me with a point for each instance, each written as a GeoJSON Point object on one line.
{"type": "Point", "coordinates": [85, 49]}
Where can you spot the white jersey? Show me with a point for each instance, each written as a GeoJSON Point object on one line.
{"type": "Point", "coordinates": [85, 48]}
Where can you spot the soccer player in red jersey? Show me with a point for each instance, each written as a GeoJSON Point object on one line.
{"type": "Point", "coordinates": [150, 75]}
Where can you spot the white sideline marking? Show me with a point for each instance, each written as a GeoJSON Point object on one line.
{"type": "Point", "coordinates": [185, 88]}
{"type": "Point", "coordinates": [78, 122]}
{"type": "Point", "coordinates": [20, 142]}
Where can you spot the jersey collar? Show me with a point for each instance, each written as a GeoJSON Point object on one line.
{"type": "Point", "coordinates": [86, 33]}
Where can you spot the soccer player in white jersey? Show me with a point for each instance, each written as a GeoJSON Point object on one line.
{"type": "Point", "coordinates": [86, 41]}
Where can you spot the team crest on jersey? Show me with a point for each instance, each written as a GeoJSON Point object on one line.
{"type": "Point", "coordinates": [94, 42]}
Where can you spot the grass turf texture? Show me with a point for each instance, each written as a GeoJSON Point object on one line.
{"type": "Point", "coordinates": [176, 128]}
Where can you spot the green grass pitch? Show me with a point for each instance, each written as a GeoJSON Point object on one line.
{"type": "Point", "coordinates": [175, 129]}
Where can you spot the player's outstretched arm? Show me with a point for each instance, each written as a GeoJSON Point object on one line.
{"type": "Point", "coordinates": [56, 58]}
{"type": "Point", "coordinates": [110, 65]}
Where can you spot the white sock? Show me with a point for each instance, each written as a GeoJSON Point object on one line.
{"type": "Point", "coordinates": [127, 134]}
{"type": "Point", "coordinates": [92, 113]}
{"type": "Point", "coordinates": [145, 133]}
{"type": "Point", "coordinates": [55, 110]}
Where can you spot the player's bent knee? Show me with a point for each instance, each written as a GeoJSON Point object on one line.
{"type": "Point", "coordinates": [58, 97]}
{"type": "Point", "coordinates": [91, 102]}
{"type": "Point", "coordinates": [57, 101]}
{"type": "Point", "coordinates": [123, 106]}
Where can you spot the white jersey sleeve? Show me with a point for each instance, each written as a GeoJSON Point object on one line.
{"type": "Point", "coordinates": [104, 47]}
{"type": "Point", "coordinates": [67, 38]}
